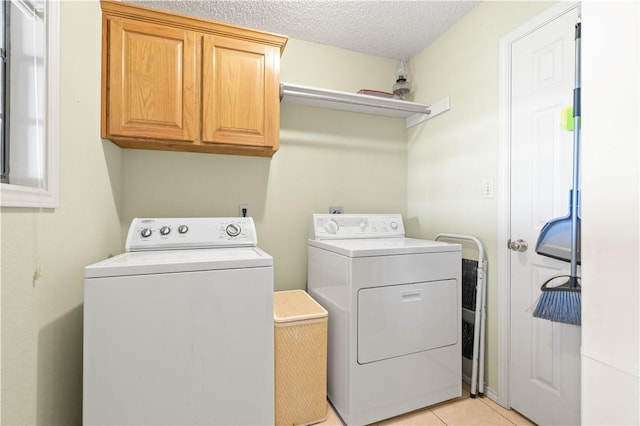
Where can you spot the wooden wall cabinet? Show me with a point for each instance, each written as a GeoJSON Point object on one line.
{"type": "Point", "coordinates": [172, 82]}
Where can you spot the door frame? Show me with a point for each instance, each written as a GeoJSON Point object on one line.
{"type": "Point", "coordinates": [504, 179]}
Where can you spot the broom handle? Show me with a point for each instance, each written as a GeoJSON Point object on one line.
{"type": "Point", "coordinates": [575, 195]}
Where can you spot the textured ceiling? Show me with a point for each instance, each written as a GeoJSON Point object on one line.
{"type": "Point", "coordinates": [395, 29]}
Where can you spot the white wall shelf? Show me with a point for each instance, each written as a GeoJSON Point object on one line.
{"type": "Point", "coordinates": [413, 113]}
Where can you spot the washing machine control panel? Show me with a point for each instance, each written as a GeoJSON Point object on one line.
{"type": "Point", "coordinates": [190, 233]}
{"type": "Point", "coordinates": [347, 226]}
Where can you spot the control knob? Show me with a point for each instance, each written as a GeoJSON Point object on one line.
{"type": "Point", "coordinates": [145, 233]}
{"type": "Point", "coordinates": [233, 229]}
{"type": "Point", "coordinates": [331, 226]}
{"type": "Point", "coordinates": [165, 230]}
{"type": "Point", "coordinates": [183, 229]}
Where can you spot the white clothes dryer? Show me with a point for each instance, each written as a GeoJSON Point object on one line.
{"type": "Point", "coordinates": [394, 303]}
{"type": "Point", "coordinates": [179, 329]}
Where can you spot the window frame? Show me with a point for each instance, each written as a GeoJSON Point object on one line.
{"type": "Point", "coordinates": [48, 196]}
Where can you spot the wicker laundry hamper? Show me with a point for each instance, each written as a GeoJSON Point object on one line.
{"type": "Point", "coordinates": [300, 359]}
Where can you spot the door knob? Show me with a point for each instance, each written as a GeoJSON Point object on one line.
{"type": "Point", "coordinates": [518, 245]}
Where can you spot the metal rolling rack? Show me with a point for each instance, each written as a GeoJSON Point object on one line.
{"type": "Point", "coordinates": [473, 312]}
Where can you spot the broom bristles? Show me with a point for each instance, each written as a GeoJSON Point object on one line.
{"type": "Point", "coordinates": [560, 306]}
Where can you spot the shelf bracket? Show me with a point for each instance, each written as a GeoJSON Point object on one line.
{"type": "Point", "coordinates": [436, 108]}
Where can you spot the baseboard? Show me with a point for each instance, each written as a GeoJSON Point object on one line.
{"type": "Point", "coordinates": [488, 392]}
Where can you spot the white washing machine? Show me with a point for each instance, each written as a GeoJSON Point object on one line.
{"type": "Point", "coordinates": [179, 329]}
{"type": "Point", "coordinates": [394, 315]}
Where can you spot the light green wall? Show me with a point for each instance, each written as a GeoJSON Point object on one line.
{"type": "Point", "coordinates": [326, 158]}
{"type": "Point", "coordinates": [317, 65]}
{"type": "Point", "coordinates": [42, 318]}
{"type": "Point", "coordinates": [451, 155]}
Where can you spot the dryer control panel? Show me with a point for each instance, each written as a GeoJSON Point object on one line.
{"type": "Point", "coordinates": [355, 226]}
{"type": "Point", "coordinates": [190, 233]}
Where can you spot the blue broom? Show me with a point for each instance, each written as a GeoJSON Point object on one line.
{"type": "Point", "coordinates": [562, 303]}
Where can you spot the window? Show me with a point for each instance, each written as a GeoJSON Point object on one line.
{"type": "Point", "coordinates": [29, 115]}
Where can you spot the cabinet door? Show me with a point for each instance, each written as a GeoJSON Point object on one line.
{"type": "Point", "coordinates": [240, 93]}
{"type": "Point", "coordinates": [152, 81]}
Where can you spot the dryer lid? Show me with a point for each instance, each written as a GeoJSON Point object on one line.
{"type": "Point", "coordinates": [384, 246]}
{"type": "Point", "coordinates": [176, 261]}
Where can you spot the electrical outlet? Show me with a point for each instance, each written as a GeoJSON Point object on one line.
{"type": "Point", "coordinates": [336, 209]}
{"type": "Point", "coordinates": [244, 211]}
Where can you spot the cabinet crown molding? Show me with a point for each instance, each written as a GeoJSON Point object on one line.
{"type": "Point", "coordinates": [159, 17]}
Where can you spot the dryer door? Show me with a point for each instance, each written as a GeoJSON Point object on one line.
{"type": "Point", "coordinates": [404, 319]}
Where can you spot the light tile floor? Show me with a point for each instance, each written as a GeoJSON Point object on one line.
{"type": "Point", "coordinates": [460, 411]}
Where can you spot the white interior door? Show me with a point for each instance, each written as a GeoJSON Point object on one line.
{"type": "Point", "coordinates": [544, 356]}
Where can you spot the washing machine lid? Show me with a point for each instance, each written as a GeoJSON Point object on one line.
{"type": "Point", "coordinates": [383, 246]}
{"type": "Point", "coordinates": [176, 261]}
